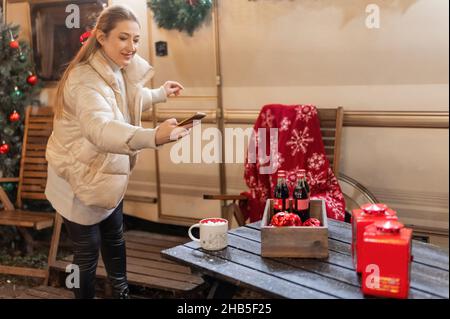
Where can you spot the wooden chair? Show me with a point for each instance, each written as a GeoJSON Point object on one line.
{"type": "Point", "coordinates": [32, 181]}
{"type": "Point", "coordinates": [331, 122]}
{"type": "Point", "coordinates": [145, 265]}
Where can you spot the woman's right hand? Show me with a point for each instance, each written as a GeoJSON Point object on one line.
{"type": "Point", "coordinates": [168, 132]}
{"type": "Point", "coordinates": [172, 88]}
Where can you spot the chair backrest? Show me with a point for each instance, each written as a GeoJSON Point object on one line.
{"type": "Point", "coordinates": [33, 165]}
{"type": "Point", "coordinates": [331, 121]}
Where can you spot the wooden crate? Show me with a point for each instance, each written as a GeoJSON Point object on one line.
{"type": "Point", "coordinates": [295, 241]}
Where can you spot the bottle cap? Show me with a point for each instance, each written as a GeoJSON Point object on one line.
{"type": "Point", "coordinates": [390, 226]}
{"type": "Point", "coordinates": [374, 208]}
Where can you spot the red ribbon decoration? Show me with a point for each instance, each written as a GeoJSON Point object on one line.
{"type": "Point", "coordinates": [85, 36]}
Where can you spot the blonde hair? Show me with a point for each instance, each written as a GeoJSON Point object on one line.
{"type": "Point", "coordinates": [106, 22]}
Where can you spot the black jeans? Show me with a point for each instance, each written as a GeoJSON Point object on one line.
{"type": "Point", "coordinates": [87, 241]}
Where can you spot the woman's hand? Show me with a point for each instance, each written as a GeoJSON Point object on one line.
{"type": "Point", "coordinates": [172, 88]}
{"type": "Point", "coordinates": [168, 132]}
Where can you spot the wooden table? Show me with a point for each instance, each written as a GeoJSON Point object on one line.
{"type": "Point", "coordinates": [240, 264]}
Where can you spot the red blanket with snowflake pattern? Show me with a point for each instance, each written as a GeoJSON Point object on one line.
{"type": "Point", "coordinates": [300, 146]}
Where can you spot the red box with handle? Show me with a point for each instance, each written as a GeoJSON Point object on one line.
{"type": "Point", "coordinates": [366, 215]}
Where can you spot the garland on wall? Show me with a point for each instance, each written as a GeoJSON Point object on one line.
{"type": "Point", "coordinates": [182, 15]}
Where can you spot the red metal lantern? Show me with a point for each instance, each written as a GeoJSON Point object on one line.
{"type": "Point", "coordinates": [368, 214]}
{"type": "Point", "coordinates": [386, 259]}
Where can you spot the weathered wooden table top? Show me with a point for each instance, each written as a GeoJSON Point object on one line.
{"type": "Point", "coordinates": [241, 264]}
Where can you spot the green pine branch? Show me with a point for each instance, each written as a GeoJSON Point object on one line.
{"type": "Point", "coordinates": [180, 14]}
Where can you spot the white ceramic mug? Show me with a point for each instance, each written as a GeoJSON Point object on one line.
{"type": "Point", "coordinates": [213, 233]}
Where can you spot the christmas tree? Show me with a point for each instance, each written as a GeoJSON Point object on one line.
{"type": "Point", "coordinates": [19, 87]}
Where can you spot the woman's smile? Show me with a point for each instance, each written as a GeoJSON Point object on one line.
{"type": "Point", "coordinates": [128, 56]}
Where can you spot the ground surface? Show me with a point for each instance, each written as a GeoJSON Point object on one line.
{"type": "Point", "coordinates": [14, 287]}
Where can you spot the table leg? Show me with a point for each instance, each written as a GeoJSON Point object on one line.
{"type": "Point", "coordinates": [221, 289]}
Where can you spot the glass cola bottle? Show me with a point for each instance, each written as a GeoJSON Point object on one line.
{"type": "Point", "coordinates": [301, 197]}
{"type": "Point", "coordinates": [281, 194]}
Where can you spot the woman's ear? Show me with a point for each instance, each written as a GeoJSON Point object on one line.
{"type": "Point", "coordinates": [100, 35]}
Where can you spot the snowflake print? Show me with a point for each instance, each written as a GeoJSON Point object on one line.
{"type": "Point", "coordinates": [336, 207]}
{"type": "Point", "coordinates": [305, 112]}
{"type": "Point", "coordinates": [332, 180]}
{"type": "Point", "coordinates": [285, 123]}
{"type": "Point", "coordinates": [249, 169]}
{"type": "Point", "coordinates": [251, 182]}
{"type": "Point", "coordinates": [316, 161]}
{"type": "Point", "coordinates": [267, 119]}
{"type": "Point", "coordinates": [335, 193]}
{"type": "Point", "coordinates": [260, 191]}
{"type": "Point", "coordinates": [299, 141]}
{"type": "Point", "coordinates": [315, 180]}
{"type": "Point", "coordinates": [291, 175]}
{"type": "Point", "coordinates": [276, 160]}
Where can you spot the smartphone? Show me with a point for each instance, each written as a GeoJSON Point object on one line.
{"type": "Point", "coordinates": [196, 117]}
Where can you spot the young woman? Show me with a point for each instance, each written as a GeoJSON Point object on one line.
{"type": "Point", "coordinates": [96, 136]}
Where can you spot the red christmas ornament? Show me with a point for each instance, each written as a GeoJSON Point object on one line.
{"type": "Point", "coordinates": [32, 79]}
{"type": "Point", "coordinates": [313, 222]}
{"type": "Point", "coordinates": [285, 219]}
{"type": "Point", "coordinates": [14, 44]}
{"type": "Point", "coordinates": [4, 148]}
{"type": "Point", "coordinates": [14, 116]}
